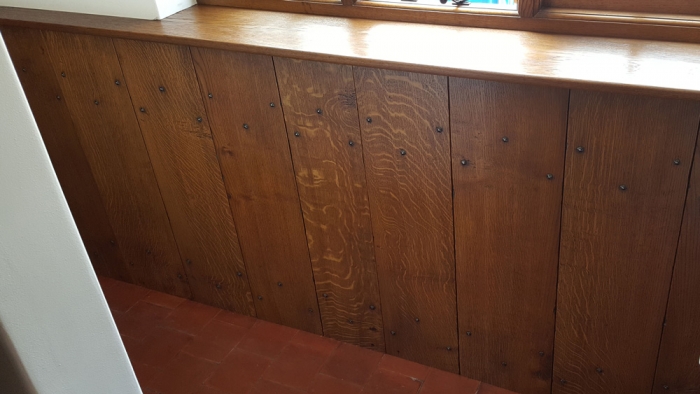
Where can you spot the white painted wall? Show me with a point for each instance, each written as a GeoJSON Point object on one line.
{"type": "Point", "coordinates": [51, 305]}
{"type": "Point", "coordinates": [142, 9]}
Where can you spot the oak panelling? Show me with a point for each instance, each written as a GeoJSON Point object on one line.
{"type": "Point", "coordinates": [111, 140]}
{"type": "Point", "coordinates": [508, 163]}
{"type": "Point", "coordinates": [623, 202]}
{"type": "Point", "coordinates": [408, 176]}
{"type": "Point", "coordinates": [165, 95]}
{"type": "Point", "coordinates": [330, 173]}
{"type": "Point", "coordinates": [677, 370]}
{"type": "Point", "coordinates": [35, 70]}
{"type": "Point", "coordinates": [251, 141]}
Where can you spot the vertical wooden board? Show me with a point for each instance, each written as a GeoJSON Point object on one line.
{"type": "Point", "coordinates": [327, 156]}
{"type": "Point", "coordinates": [677, 370]}
{"type": "Point", "coordinates": [165, 94]}
{"type": "Point", "coordinates": [622, 208]}
{"type": "Point", "coordinates": [409, 183]}
{"type": "Point", "coordinates": [112, 142]}
{"type": "Point", "coordinates": [35, 71]}
{"type": "Point", "coordinates": [508, 164]}
{"type": "Point", "coordinates": [250, 136]}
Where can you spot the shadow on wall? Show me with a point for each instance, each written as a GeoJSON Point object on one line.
{"type": "Point", "coordinates": [13, 377]}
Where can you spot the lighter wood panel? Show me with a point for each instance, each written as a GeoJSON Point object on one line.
{"type": "Point", "coordinates": [330, 173]}
{"type": "Point", "coordinates": [411, 207]}
{"type": "Point", "coordinates": [111, 139]}
{"type": "Point", "coordinates": [251, 141]}
{"type": "Point", "coordinates": [677, 370]}
{"type": "Point", "coordinates": [618, 246]}
{"type": "Point", "coordinates": [165, 95]}
{"type": "Point", "coordinates": [35, 70]}
{"type": "Point", "coordinates": [508, 163]}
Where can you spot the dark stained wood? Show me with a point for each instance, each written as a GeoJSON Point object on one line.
{"type": "Point", "coordinates": [259, 177]}
{"type": "Point", "coordinates": [618, 65]}
{"type": "Point", "coordinates": [330, 177]}
{"type": "Point", "coordinates": [162, 82]}
{"type": "Point", "coordinates": [678, 367]}
{"type": "Point", "coordinates": [529, 8]}
{"type": "Point", "coordinates": [113, 145]}
{"type": "Point", "coordinates": [660, 7]}
{"type": "Point", "coordinates": [411, 205]}
{"type": "Point", "coordinates": [618, 246]}
{"type": "Point", "coordinates": [35, 70]}
{"type": "Point", "coordinates": [507, 212]}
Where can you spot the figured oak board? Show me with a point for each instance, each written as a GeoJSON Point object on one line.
{"type": "Point", "coordinates": [253, 149]}
{"type": "Point", "coordinates": [410, 192]}
{"type": "Point", "coordinates": [622, 208]}
{"type": "Point", "coordinates": [508, 146]}
{"type": "Point", "coordinates": [113, 145]}
{"type": "Point", "coordinates": [166, 99]}
{"type": "Point", "coordinates": [330, 173]}
{"type": "Point", "coordinates": [677, 370]}
{"type": "Point", "coordinates": [38, 77]}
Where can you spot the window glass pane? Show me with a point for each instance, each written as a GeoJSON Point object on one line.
{"type": "Point", "coordinates": [492, 4]}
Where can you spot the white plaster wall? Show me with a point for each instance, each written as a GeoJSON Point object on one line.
{"type": "Point", "coordinates": [51, 305]}
{"type": "Point", "coordinates": [142, 9]}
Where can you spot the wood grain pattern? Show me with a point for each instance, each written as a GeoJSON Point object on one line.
{"type": "Point", "coordinates": [507, 211]}
{"type": "Point", "coordinates": [330, 173]}
{"type": "Point", "coordinates": [618, 246]}
{"type": "Point", "coordinates": [165, 95]}
{"type": "Point", "coordinates": [529, 8]}
{"type": "Point", "coordinates": [618, 65]}
{"type": "Point", "coordinates": [257, 167]}
{"type": "Point", "coordinates": [35, 70]}
{"type": "Point", "coordinates": [113, 145]}
{"type": "Point", "coordinates": [677, 370]}
{"type": "Point", "coordinates": [660, 7]}
{"type": "Point", "coordinates": [408, 177]}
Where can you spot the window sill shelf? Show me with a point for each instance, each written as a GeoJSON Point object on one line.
{"type": "Point", "coordinates": [657, 68]}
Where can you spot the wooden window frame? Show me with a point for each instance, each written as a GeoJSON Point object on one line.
{"type": "Point", "coordinates": [531, 15]}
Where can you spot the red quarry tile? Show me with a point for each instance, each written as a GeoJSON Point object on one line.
{"type": "Point", "coordinates": [191, 317]}
{"type": "Point", "coordinates": [441, 382]}
{"type": "Point", "coordinates": [267, 339]}
{"type": "Point", "coordinates": [324, 384]}
{"type": "Point", "coordinates": [183, 375]}
{"type": "Point", "coordinates": [319, 345]}
{"type": "Point", "coordinates": [105, 281]}
{"type": "Point", "coordinates": [387, 382]}
{"type": "Point", "coordinates": [121, 295]}
{"type": "Point", "coordinates": [160, 346]}
{"type": "Point", "coordinates": [215, 341]}
{"type": "Point", "coordinates": [295, 367]}
{"type": "Point", "coordinates": [352, 363]}
{"type": "Point", "coordinates": [131, 345]}
{"type": "Point", "coordinates": [236, 319]}
{"type": "Point", "coordinates": [145, 373]}
{"type": "Point", "coordinates": [488, 389]}
{"type": "Point", "coordinates": [403, 367]}
{"type": "Point", "coordinates": [202, 389]}
{"type": "Point", "coordinates": [140, 319]}
{"type": "Point", "coordinates": [266, 387]}
{"type": "Point", "coordinates": [148, 390]}
{"type": "Point", "coordinates": [239, 372]}
{"type": "Point", "coordinates": [163, 299]}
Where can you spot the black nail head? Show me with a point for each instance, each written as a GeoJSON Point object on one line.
{"type": "Point", "coordinates": [218, 285]}
{"type": "Point", "coordinates": [403, 152]}
{"type": "Point", "coordinates": [311, 310]}
{"type": "Point", "coordinates": [63, 74]}
{"type": "Point", "coordinates": [58, 97]}
{"type": "Point", "coordinates": [464, 162]}
{"type": "Point", "coordinates": [599, 370]}
{"type": "Point", "coordinates": [541, 353]}
{"type": "Point", "coordinates": [112, 242]}
{"type": "Point", "coordinates": [188, 261]}
{"type": "Point", "coordinates": [351, 321]}
{"type": "Point", "coordinates": [469, 333]}
{"type": "Point", "coordinates": [245, 126]}
{"type": "Point", "coordinates": [297, 134]}
{"type": "Point", "coordinates": [272, 105]}
{"type": "Point", "coordinates": [325, 295]}
{"type": "Point", "coordinates": [372, 307]}
{"type": "Point", "coordinates": [97, 102]}
{"type": "Point", "coordinates": [580, 149]}
{"type": "Point", "coordinates": [260, 297]}
{"type": "Point", "coordinates": [550, 176]}
{"type": "Point", "coordinates": [199, 120]}
{"type": "Point", "coordinates": [504, 139]}
{"type": "Point", "coordinates": [665, 387]}
{"type": "Point", "coordinates": [438, 129]}
{"type": "Point", "coordinates": [623, 187]}
{"type": "Point", "coordinates": [142, 109]}
{"type": "Point", "coordinates": [179, 276]}
{"type": "Point", "coordinates": [279, 284]}
{"type": "Point", "coordinates": [417, 320]}
{"type": "Point", "coordinates": [677, 162]}
{"type": "Point", "coordinates": [393, 333]}
{"type": "Point", "coordinates": [351, 143]}
{"type": "Point", "coordinates": [562, 381]}
{"type": "Point", "coordinates": [504, 364]}
{"type": "Point", "coordinates": [318, 111]}
{"type": "Point", "coordinates": [162, 89]}
{"type": "Point", "coordinates": [239, 273]}
{"type": "Point", "coordinates": [117, 82]}
{"type": "Point", "coordinates": [211, 95]}
{"type": "Point", "coordinates": [369, 120]}
{"type": "Point", "coordinates": [449, 348]}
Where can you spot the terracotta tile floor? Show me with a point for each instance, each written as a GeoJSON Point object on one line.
{"type": "Point", "coordinates": [179, 346]}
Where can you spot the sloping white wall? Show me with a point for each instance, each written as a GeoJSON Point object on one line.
{"type": "Point", "coordinates": [51, 306]}
{"type": "Point", "coordinates": [142, 9]}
